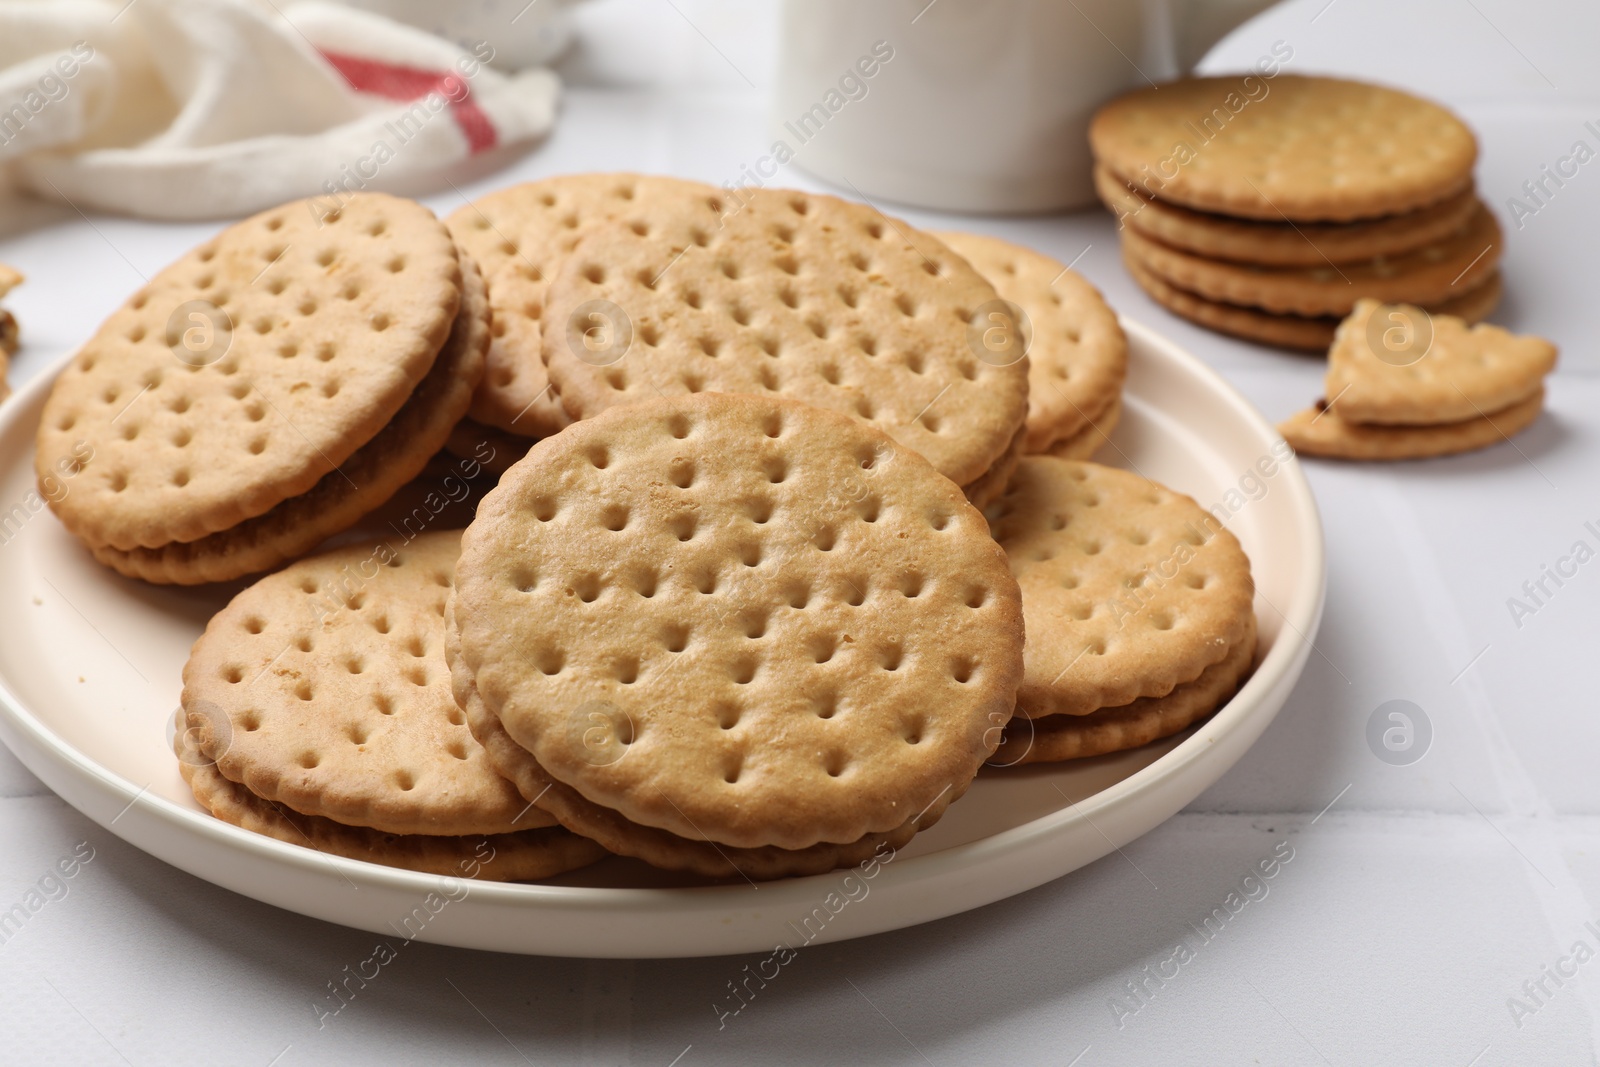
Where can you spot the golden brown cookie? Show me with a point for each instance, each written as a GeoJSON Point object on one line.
{"type": "Point", "coordinates": [796, 295]}
{"type": "Point", "coordinates": [9, 340]}
{"type": "Point", "coordinates": [1089, 440]}
{"type": "Point", "coordinates": [1281, 243]}
{"type": "Point", "coordinates": [1128, 588]}
{"type": "Point", "coordinates": [364, 482]}
{"type": "Point", "coordinates": [740, 619]}
{"type": "Point", "coordinates": [1399, 365]}
{"type": "Point", "coordinates": [8, 348]}
{"type": "Point", "coordinates": [1064, 737]}
{"type": "Point", "coordinates": [324, 687]}
{"type": "Point", "coordinates": [1313, 334]}
{"type": "Point", "coordinates": [1425, 276]}
{"type": "Point", "coordinates": [250, 368]}
{"type": "Point", "coordinates": [658, 847]}
{"type": "Point", "coordinates": [1077, 353]}
{"type": "Point", "coordinates": [1321, 432]}
{"type": "Point", "coordinates": [495, 449]}
{"type": "Point", "coordinates": [987, 487]}
{"type": "Point", "coordinates": [520, 856]}
{"type": "Point", "coordinates": [520, 235]}
{"type": "Point", "coordinates": [9, 279]}
{"type": "Point", "coordinates": [1295, 147]}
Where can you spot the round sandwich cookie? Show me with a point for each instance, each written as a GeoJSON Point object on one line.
{"type": "Point", "coordinates": [520, 235]}
{"type": "Point", "coordinates": [986, 488]}
{"type": "Point", "coordinates": [796, 295]}
{"type": "Point", "coordinates": [1308, 333]}
{"type": "Point", "coordinates": [249, 369]}
{"type": "Point", "coordinates": [324, 688]}
{"type": "Point", "coordinates": [740, 620]}
{"type": "Point", "coordinates": [1427, 276]}
{"type": "Point", "coordinates": [1129, 589]}
{"type": "Point", "coordinates": [1293, 147]}
{"type": "Point", "coordinates": [1063, 737]}
{"type": "Point", "coordinates": [1282, 243]}
{"type": "Point", "coordinates": [518, 856]}
{"type": "Point", "coordinates": [9, 335]}
{"type": "Point", "coordinates": [1093, 437]}
{"type": "Point", "coordinates": [1077, 353]}
{"type": "Point", "coordinates": [613, 832]}
{"type": "Point", "coordinates": [364, 482]}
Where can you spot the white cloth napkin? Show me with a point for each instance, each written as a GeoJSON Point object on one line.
{"type": "Point", "coordinates": [187, 109]}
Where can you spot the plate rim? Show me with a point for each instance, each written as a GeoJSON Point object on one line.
{"type": "Point", "coordinates": [1272, 680]}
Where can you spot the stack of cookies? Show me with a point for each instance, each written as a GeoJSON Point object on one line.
{"type": "Point", "coordinates": [267, 390]}
{"type": "Point", "coordinates": [520, 235]}
{"type": "Point", "coordinates": [560, 335]}
{"type": "Point", "coordinates": [1077, 352]}
{"type": "Point", "coordinates": [738, 635]}
{"type": "Point", "coordinates": [1403, 384]}
{"type": "Point", "coordinates": [733, 608]}
{"type": "Point", "coordinates": [317, 710]}
{"type": "Point", "coordinates": [9, 280]}
{"type": "Point", "coordinates": [1138, 605]}
{"type": "Point", "coordinates": [1265, 208]}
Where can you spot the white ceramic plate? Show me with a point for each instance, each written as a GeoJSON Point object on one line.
{"type": "Point", "coordinates": [89, 679]}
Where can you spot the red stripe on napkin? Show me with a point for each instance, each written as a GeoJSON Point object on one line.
{"type": "Point", "coordinates": [397, 82]}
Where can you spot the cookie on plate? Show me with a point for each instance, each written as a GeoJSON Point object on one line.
{"type": "Point", "coordinates": [520, 856]}
{"type": "Point", "coordinates": [318, 708]}
{"type": "Point", "coordinates": [612, 831]}
{"type": "Point", "coordinates": [341, 497]}
{"type": "Point", "coordinates": [495, 449]}
{"type": "Point", "coordinates": [1077, 352]}
{"type": "Point", "coordinates": [1063, 737]}
{"type": "Point", "coordinates": [796, 295]}
{"type": "Point", "coordinates": [520, 235]}
{"type": "Point", "coordinates": [9, 280]}
{"type": "Point", "coordinates": [250, 368]}
{"type": "Point", "coordinates": [720, 623]}
{"type": "Point", "coordinates": [1088, 441]}
{"type": "Point", "coordinates": [1129, 590]}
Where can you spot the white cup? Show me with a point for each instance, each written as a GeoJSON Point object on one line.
{"type": "Point", "coordinates": [522, 34]}
{"type": "Point", "coordinates": [973, 105]}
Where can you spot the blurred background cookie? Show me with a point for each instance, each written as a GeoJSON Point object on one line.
{"type": "Point", "coordinates": [1266, 209]}
{"type": "Point", "coordinates": [9, 338]}
{"type": "Point", "coordinates": [1405, 384]}
{"type": "Point", "coordinates": [1306, 149]}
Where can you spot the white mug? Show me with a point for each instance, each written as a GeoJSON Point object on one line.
{"type": "Point", "coordinates": [973, 105]}
{"type": "Point", "coordinates": [523, 33]}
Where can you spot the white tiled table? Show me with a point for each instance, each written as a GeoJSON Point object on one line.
{"type": "Point", "coordinates": [1412, 909]}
